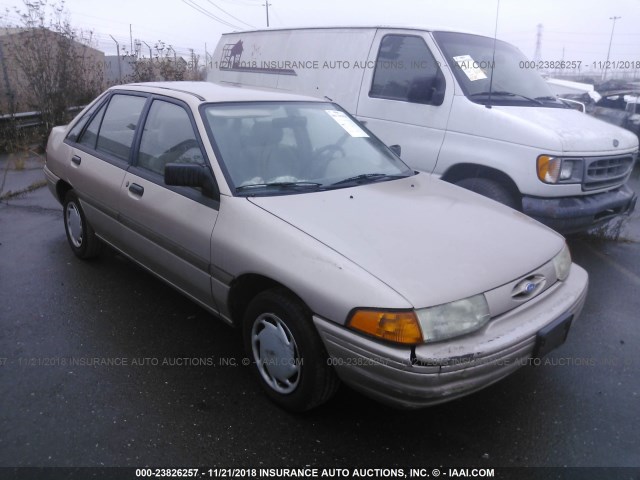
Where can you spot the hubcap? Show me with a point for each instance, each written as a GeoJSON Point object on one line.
{"type": "Point", "coordinates": [74, 224]}
{"type": "Point", "coordinates": [276, 353]}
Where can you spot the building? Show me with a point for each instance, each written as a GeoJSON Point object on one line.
{"type": "Point", "coordinates": [18, 93]}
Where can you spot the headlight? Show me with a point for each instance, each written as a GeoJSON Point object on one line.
{"type": "Point", "coordinates": [559, 170]}
{"type": "Point", "coordinates": [562, 263]}
{"type": "Point", "coordinates": [453, 319]}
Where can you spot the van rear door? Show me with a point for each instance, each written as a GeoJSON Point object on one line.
{"type": "Point", "coordinates": [406, 98]}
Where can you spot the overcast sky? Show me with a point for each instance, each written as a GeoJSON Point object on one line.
{"type": "Point", "coordinates": [581, 28]}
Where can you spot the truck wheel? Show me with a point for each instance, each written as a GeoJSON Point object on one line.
{"type": "Point", "coordinates": [82, 239]}
{"type": "Point", "coordinates": [286, 352]}
{"type": "Point", "coordinates": [491, 189]}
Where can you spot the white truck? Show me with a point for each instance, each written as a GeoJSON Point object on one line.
{"type": "Point", "coordinates": [467, 108]}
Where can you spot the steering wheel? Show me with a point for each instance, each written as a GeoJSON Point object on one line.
{"type": "Point", "coordinates": [322, 156]}
{"type": "Point", "coordinates": [174, 152]}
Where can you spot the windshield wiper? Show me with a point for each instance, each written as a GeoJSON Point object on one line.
{"type": "Point", "coordinates": [501, 93]}
{"type": "Point", "coordinates": [280, 186]}
{"type": "Point", "coordinates": [365, 178]}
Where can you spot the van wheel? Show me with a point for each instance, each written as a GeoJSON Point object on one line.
{"type": "Point", "coordinates": [286, 352]}
{"type": "Point", "coordinates": [80, 234]}
{"type": "Point", "coordinates": [491, 189]}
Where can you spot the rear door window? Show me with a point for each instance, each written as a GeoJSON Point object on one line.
{"type": "Point", "coordinates": [119, 125]}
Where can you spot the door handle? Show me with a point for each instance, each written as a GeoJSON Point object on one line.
{"type": "Point", "coordinates": [76, 159]}
{"type": "Point", "coordinates": [136, 189]}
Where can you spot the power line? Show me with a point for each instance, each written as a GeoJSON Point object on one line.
{"type": "Point", "coordinates": [207, 13]}
{"type": "Point", "coordinates": [247, 3]}
{"type": "Point", "coordinates": [275, 14]}
{"type": "Point", "coordinates": [235, 18]}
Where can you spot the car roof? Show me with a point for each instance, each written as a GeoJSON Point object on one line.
{"type": "Point", "coordinates": [204, 92]}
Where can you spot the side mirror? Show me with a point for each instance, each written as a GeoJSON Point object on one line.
{"type": "Point", "coordinates": [397, 149]}
{"type": "Point", "coordinates": [581, 107]}
{"type": "Point", "coordinates": [191, 175]}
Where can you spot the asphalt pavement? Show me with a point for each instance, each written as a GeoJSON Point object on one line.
{"type": "Point", "coordinates": [102, 364]}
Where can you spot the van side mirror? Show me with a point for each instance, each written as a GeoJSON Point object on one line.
{"type": "Point", "coordinates": [397, 149]}
{"type": "Point", "coordinates": [191, 175]}
{"type": "Point", "coordinates": [581, 107]}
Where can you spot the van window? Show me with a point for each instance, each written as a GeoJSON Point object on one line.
{"type": "Point", "coordinates": [494, 72]}
{"type": "Point", "coordinates": [406, 71]}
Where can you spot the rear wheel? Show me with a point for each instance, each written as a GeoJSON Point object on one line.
{"type": "Point", "coordinates": [81, 236]}
{"type": "Point", "coordinates": [491, 189]}
{"type": "Point", "coordinates": [286, 351]}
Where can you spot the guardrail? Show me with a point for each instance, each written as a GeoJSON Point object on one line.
{"type": "Point", "coordinates": [29, 119]}
{"type": "Point", "coordinates": [23, 119]}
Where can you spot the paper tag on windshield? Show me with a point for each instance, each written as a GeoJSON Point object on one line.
{"type": "Point", "coordinates": [470, 67]}
{"type": "Point", "coordinates": [345, 122]}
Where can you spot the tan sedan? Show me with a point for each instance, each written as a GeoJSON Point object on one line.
{"type": "Point", "coordinates": [283, 215]}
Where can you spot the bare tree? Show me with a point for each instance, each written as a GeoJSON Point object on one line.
{"type": "Point", "coordinates": [56, 66]}
{"type": "Point", "coordinates": [165, 64]}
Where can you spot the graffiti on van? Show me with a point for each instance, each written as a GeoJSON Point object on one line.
{"type": "Point", "coordinates": [231, 60]}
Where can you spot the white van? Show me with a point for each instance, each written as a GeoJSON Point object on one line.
{"type": "Point", "coordinates": [497, 131]}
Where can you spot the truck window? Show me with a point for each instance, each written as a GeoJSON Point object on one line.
{"type": "Point", "coordinates": [406, 71]}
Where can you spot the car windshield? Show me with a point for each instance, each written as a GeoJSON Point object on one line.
{"type": "Point", "coordinates": [515, 81]}
{"type": "Point", "coordinates": [277, 148]}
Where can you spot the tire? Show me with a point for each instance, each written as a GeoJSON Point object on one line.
{"type": "Point", "coordinates": [80, 234]}
{"type": "Point", "coordinates": [490, 189]}
{"type": "Point", "coordinates": [286, 352]}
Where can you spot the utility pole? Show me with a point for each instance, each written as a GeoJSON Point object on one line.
{"type": "Point", "coordinates": [537, 56]}
{"type": "Point", "coordinates": [606, 64]}
{"type": "Point", "coordinates": [131, 37]}
{"type": "Point", "coordinates": [267, 4]}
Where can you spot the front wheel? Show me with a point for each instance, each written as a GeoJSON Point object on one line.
{"type": "Point", "coordinates": [490, 189]}
{"type": "Point", "coordinates": [287, 353]}
{"type": "Point", "coordinates": [82, 239]}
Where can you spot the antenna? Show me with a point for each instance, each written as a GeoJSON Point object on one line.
{"type": "Point", "coordinates": [493, 56]}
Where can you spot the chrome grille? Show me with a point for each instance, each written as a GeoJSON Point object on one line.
{"type": "Point", "coordinates": [603, 172]}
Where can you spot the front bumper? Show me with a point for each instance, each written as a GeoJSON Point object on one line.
{"type": "Point", "coordinates": [577, 214]}
{"type": "Point", "coordinates": [435, 373]}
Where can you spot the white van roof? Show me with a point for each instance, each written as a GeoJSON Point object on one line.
{"type": "Point", "coordinates": [422, 28]}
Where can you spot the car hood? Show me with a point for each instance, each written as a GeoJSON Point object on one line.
{"type": "Point", "coordinates": [554, 130]}
{"type": "Point", "coordinates": [430, 241]}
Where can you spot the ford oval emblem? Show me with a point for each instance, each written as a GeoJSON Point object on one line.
{"type": "Point", "coordinates": [527, 287]}
{"type": "Point", "coordinates": [615, 142]}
